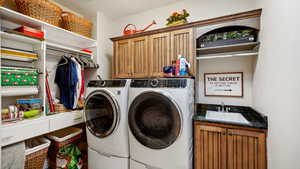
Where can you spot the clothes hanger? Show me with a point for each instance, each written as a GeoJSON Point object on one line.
{"type": "Point", "coordinates": [79, 60]}
{"type": "Point", "coordinates": [66, 62]}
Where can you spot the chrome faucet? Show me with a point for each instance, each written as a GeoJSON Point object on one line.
{"type": "Point", "coordinates": [222, 107]}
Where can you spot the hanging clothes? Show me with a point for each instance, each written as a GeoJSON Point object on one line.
{"type": "Point", "coordinates": [82, 85]}
{"type": "Point", "coordinates": [81, 95]}
{"type": "Point", "coordinates": [66, 78]}
{"type": "Point", "coordinates": [78, 86]}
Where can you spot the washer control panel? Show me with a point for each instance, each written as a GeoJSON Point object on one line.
{"type": "Point", "coordinates": [107, 83]}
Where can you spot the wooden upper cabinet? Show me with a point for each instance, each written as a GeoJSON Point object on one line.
{"type": "Point", "coordinates": [140, 59]}
{"type": "Point", "coordinates": [210, 147]}
{"type": "Point", "coordinates": [183, 43]}
{"type": "Point", "coordinates": [122, 63]}
{"type": "Point", "coordinates": [159, 53]}
{"type": "Point", "coordinates": [246, 150]}
{"type": "Point", "coordinates": [146, 56]}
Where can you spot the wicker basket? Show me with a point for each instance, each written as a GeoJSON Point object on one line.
{"type": "Point", "coordinates": [1, 2]}
{"type": "Point", "coordinates": [36, 156]}
{"type": "Point", "coordinates": [40, 9]}
{"type": "Point", "coordinates": [64, 137]}
{"type": "Point", "coordinates": [59, 139]}
{"type": "Point", "coordinates": [59, 108]}
{"type": "Point", "coordinates": [76, 24]}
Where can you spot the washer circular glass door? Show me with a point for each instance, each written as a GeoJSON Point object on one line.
{"type": "Point", "coordinates": [154, 120]}
{"type": "Point", "coordinates": [101, 114]}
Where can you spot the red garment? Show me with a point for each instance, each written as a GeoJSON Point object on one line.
{"type": "Point", "coordinates": [81, 96]}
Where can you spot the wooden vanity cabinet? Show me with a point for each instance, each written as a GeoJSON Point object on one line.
{"type": "Point", "coordinates": [229, 147]}
{"type": "Point", "coordinates": [210, 147]}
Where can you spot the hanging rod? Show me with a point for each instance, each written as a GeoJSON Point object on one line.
{"type": "Point", "coordinates": [65, 50]}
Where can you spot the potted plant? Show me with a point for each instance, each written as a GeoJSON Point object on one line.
{"type": "Point", "coordinates": [178, 18]}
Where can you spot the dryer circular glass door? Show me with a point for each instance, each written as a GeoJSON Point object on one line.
{"type": "Point", "coordinates": [101, 113]}
{"type": "Point", "coordinates": [154, 120]}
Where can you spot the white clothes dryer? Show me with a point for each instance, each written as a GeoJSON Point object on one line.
{"type": "Point", "coordinates": [160, 119]}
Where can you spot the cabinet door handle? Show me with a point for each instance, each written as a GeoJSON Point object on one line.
{"type": "Point", "coordinates": [230, 133]}
{"type": "Point", "coordinates": [224, 133]}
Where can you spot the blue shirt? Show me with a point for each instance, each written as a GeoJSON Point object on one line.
{"type": "Point", "coordinates": [66, 78]}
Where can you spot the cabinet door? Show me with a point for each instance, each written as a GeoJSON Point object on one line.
{"type": "Point", "coordinates": [140, 60]}
{"type": "Point", "coordinates": [210, 147]}
{"type": "Point", "coordinates": [246, 149]}
{"type": "Point", "coordinates": [159, 54]}
{"type": "Point", "coordinates": [183, 43]}
{"type": "Point", "coordinates": [122, 64]}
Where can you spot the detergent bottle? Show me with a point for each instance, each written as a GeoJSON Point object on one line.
{"type": "Point", "coordinates": [183, 66]}
{"type": "Point", "coordinates": [177, 66]}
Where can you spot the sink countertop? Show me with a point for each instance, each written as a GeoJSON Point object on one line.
{"type": "Point", "coordinates": [256, 119]}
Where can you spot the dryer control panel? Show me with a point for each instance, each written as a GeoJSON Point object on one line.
{"type": "Point", "coordinates": [107, 83]}
{"type": "Point", "coordinates": [159, 83]}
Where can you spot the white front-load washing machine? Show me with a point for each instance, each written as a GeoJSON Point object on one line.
{"type": "Point", "coordinates": [160, 118]}
{"type": "Point", "coordinates": [106, 121]}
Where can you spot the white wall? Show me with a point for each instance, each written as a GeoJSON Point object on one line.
{"type": "Point", "coordinates": [277, 81]}
{"type": "Point", "coordinates": [105, 45]}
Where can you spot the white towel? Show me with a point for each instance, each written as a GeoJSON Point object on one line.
{"type": "Point", "coordinates": [13, 156]}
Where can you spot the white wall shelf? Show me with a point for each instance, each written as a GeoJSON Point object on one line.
{"type": "Point", "coordinates": [241, 49]}
{"type": "Point", "coordinates": [22, 130]}
{"type": "Point", "coordinates": [20, 38]}
{"type": "Point", "coordinates": [54, 33]}
{"type": "Point", "coordinates": [227, 55]}
{"type": "Point", "coordinates": [19, 91]}
{"type": "Point", "coordinates": [228, 48]}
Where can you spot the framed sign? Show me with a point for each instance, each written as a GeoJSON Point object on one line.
{"type": "Point", "coordinates": [229, 84]}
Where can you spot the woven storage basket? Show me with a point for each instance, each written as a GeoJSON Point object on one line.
{"type": "Point", "coordinates": [59, 139]}
{"type": "Point", "coordinates": [64, 137]}
{"type": "Point", "coordinates": [40, 9]}
{"type": "Point", "coordinates": [76, 24]}
{"type": "Point", "coordinates": [35, 157]}
{"type": "Point", "coordinates": [60, 108]}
